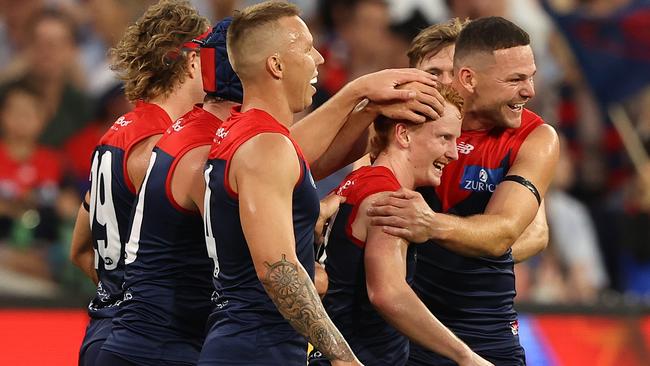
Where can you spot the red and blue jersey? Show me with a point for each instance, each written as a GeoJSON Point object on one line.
{"type": "Point", "coordinates": [372, 339]}
{"type": "Point", "coordinates": [111, 199]}
{"type": "Point", "coordinates": [246, 326]}
{"type": "Point", "coordinates": [167, 280]}
{"type": "Point", "coordinates": [473, 296]}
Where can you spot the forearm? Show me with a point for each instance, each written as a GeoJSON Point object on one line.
{"type": "Point", "coordinates": [315, 132]}
{"type": "Point", "coordinates": [479, 235]}
{"type": "Point", "coordinates": [81, 248]}
{"type": "Point", "coordinates": [350, 144]}
{"type": "Point", "coordinates": [533, 240]}
{"type": "Point", "coordinates": [295, 296]}
{"type": "Point", "coordinates": [404, 311]}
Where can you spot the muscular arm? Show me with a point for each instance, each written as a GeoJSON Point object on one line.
{"type": "Point", "coordinates": [390, 294]}
{"type": "Point", "coordinates": [534, 239]}
{"type": "Point", "coordinates": [81, 248]}
{"type": "Point", "coordinates": [266, 217]}
{"type": "Point", "coordinates": [316, 131]}
{"type": "Point", "coordinates": [510, 210]}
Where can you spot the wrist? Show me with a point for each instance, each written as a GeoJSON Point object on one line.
{"type": "Point", "coordinates": [439, 229]}
{"type": "Point", "coordinates": [356, 89]}
{"type": "Point", "coordinates": [464, 355]}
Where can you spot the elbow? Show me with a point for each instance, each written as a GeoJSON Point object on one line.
{"type": "Point", "coordinates": [385, 300]}
{"type": "Point", "coordinates": [504, 243]}
{"type": "Point", "coordinates": [75, 257]}
{"type": "Point", "coordinates": [543, 239]}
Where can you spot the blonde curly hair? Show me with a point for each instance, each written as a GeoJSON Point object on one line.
{"type": "Point", "coordinates": [149, 58]}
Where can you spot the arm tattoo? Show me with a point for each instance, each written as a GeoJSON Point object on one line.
{"type": "Point", "coordinates": [295, 296]}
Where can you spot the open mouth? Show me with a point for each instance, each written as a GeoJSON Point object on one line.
{"type": "Point", "coordinates": [439, 166]}
{"type": "Point", "coordinates": [314, 80]}
{"type": "Point", "coordinates": [516, 107]}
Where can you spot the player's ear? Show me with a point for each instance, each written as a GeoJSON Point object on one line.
{"type": "Point", "coordinates": [466, 79]}
{"type": "Point", "coordinates": [274, 65]}
{"type": "Point", "coordinates": [402, 135]}
{"type": "Point", "coordinates": [193, 64]}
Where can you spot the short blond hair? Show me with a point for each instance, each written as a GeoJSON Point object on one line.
{"type": "Point", "coordinates": [149, 57]}
{"type": "Point", "coordinates": [384, 126]}
{"type": "Point", "coordinates": [241, 39]}
{"type": "Point", "coordinates": [433, 39]}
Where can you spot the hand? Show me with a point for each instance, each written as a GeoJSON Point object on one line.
{"type": "Point", "coordinates": [427, 105]}
{"type": "Point", "coordinates": [403, 213]}
{"type": "Point", "coordinates": [382, 86]}
{"type": "Point", "coordinates": [328, 207]}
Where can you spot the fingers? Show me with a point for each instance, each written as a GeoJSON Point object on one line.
{"type": "Point", "coordinates": [391, 221]}
{"type": "Point", "coordinates": [329, 205]}
{"type": "Point", "coordinates": [396, 94]}
{"type": "Point", "coordinates": [399, 232]}
{"type": "Point", "coordinates": [380, 86]}
{"type": "Point", "coordinates": [403, 76]}
{"type": "Point", "coordinates": [428, 100]}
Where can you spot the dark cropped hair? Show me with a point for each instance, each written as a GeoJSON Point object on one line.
{"type": "Point", "coordinates": [488, 35]}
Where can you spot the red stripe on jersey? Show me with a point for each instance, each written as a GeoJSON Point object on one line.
{"type": "Point", "coordinates": [360, 184]}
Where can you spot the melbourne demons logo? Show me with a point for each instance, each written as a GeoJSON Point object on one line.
{"type": "Point", "coordinates": [177, 126]}
{"type": "Point", "coordinates": [221, 134]}
{"type": "Point", "coordinates": [464, 148]}
{"type": "Point", "coordinates": [345, 186]}
{"type": "Point", "coordinates": [479, 179]}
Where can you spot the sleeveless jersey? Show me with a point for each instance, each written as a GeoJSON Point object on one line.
{"type": "Point", "coordinates": [372, 339]}
{"type": "Point", "coordinates": [246, 326]}
{"type": "Point", "coordinates": [472, 296]}
{"type": "Point", "coordinates": [167, 280]}
{"type": "Point", "coordinates": [111, 199]}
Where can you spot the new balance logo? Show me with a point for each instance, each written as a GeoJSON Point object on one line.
{"type": "Point", "coordinates": [464, 148]}
{"type": "Point", "coordinates": [121, 122]}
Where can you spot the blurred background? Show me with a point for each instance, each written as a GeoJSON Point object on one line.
{"type": "Point", "coordinates": [584, 301]}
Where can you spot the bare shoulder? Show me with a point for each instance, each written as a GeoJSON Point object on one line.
{"type": "Point", "coordinates": [361, 226]}
{"type": "Point", "coordinates": [268, 157]}
{"type": "Point", "coordinates": [266, 150]}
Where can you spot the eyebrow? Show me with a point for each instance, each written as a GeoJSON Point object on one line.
{"type": "Point", "coordinates": [430, 69]}
{"type": "Point", "coordinates": [523, 76]}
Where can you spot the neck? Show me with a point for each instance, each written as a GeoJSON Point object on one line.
{"type": "Point", "coordinates": [220, 109]}
{"type": "Point", "coordinates": [473, 121]}
{"type": "Point", "coordinates": [269, 97]}
{"type": "Point", "coordinates": [175, 104]}
{"type": "Point", "coordinates": [397, 162]}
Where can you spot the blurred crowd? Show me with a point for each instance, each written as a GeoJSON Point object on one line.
{"type": "Point", "coordinates": [58, 96]}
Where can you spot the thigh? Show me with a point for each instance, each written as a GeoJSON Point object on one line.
{"type": "Point", "coordinates": [106, 358]}
{"type": "Point", "coordinates": [96, 333]}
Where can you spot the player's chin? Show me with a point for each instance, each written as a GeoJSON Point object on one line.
{"type": "Point", "coordinates": [433, 180]}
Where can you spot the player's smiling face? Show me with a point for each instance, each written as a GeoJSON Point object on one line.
{"type": "Point", "coordinates": [301, 60]}
{"type": "Point", "coordinates": [505, 86]}
{"type": "Point", "coordinates": [434, 146]}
